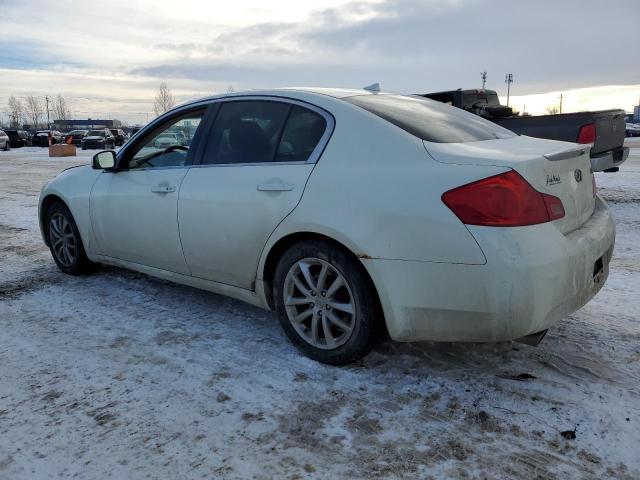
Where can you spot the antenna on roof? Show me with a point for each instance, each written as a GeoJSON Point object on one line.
{"type": "Point", "coordinates": [374, 87]}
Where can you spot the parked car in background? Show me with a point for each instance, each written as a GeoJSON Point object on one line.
{"type": "Point", "coordinates": [41, 138]}
{"type": "Point", "coordinates": [18, 138]}
{"type": "Point", "coordinates": [167, 140]}
{"type": "Point", "coordinates": [632, 129]}
{"type": "Point", "coordinates": [5, 143]}
{"type": "Point", "coordinates": [480, 234]}
{"type": "Point", "coordinates": [76, 137]}
{"type": "Point", "coordinates": [180, 136]}
{"type": "Point", "coordinates": [119, 136]}
{"type": "Point", "coordinates": [102, 138]}
{"type": "Point", "coordinates": [603, 130]}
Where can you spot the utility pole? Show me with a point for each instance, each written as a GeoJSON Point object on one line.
{"type": "Point", "coordinates": [46, 99]}
{"type": "Point", "coordinates": [560, 103]}
{"type": "Point", "coordinates": [508, 80]}
{"type": "Point", "coordinates": [483, 76]}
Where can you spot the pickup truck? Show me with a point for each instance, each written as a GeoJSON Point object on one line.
{"type": "Point", "coordinates": [604, 129]}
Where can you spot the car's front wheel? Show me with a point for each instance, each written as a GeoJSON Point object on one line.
{"type": "Point", "coordinates": [325, 303]}
{"type": "Point", "coordinates": [65, 242]}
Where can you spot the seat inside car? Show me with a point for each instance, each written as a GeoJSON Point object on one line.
{"type": "Point", "coordinates": [248, 143]}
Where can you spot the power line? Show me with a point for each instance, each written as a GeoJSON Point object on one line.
{"type": "Point", "coordinates": [508, 80]}
{"type": "Point", "coordinates": [46, 98]}
{"type": "Point", "coordinates": [560, 103]}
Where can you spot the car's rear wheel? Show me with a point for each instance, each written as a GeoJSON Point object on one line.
{"type": "Point", "coordinates": [65, 242]}
{"type": "Point", "coordinates": [325, 303]}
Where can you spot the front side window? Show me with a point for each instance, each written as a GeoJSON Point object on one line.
{"type": "Point", "coordinates": [168, 145]}
{"type": "Point", "coordinates": [430, 120]}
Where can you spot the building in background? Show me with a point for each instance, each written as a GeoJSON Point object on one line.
{"type": "Point", "coordinates": [88, 124]}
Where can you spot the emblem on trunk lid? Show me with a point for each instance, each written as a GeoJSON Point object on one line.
{"type": "Point", "coordinates": [577, 174]}
{"type": "Point", "coordinates": [553, 179]}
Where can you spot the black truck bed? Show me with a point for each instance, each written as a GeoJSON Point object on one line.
{"type": "Point", "coordinates": [605, 129]}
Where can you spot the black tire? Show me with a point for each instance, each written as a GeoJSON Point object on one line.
{"type": "Point", "coordinates": [366, 322]}
{"type": "Point", "coordinates": [80, 264]}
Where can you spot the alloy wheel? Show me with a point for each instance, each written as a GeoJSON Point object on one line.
{"type": "Point", "coordinates": [63, 241]}
{"type": "Point", "coordinates": [319, 303]}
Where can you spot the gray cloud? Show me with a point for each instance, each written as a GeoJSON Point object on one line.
{"type": "Point", "coordinates": [413, 45]}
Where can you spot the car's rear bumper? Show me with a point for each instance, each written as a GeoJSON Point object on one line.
{"type": "Point", "coordinates": [611, 159]}
{"type": "Point", "coordinates": [534, 277]}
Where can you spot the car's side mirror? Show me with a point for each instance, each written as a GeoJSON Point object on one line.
{"type": "Point", "coordinates": [105, 160]}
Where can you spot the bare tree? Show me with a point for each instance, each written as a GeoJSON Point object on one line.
{"type": "Point", "coordinates": [61, 109]}
{"type": "Point", "coordinates": [164, 100]}
{"type": "Point", "coordinates": [551, 109]}
{"type": "Point", "coordinates": [34, 110]}
{"type": "Point", "coordinates": [16, 112]}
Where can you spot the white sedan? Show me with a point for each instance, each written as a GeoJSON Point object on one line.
{"type": "Point", "coordinates": [350, 213]}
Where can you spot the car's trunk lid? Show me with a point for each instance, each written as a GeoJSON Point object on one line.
{"type": "Point", "coordinates": [556, 168]}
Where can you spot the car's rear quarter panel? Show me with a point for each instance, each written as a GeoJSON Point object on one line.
{"type": "Point", "coordinates": [377, 191]}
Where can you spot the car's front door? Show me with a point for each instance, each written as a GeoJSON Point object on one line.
{"type": "Point", "coordinates": [259, 155]}
{"type": "Point", "coordinates": [134, 210]}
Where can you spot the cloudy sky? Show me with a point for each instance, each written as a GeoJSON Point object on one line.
{"type": "Point", "coordinates": [108, 58]}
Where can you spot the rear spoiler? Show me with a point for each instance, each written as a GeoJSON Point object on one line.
{"type": "Point", "coordinates": [608, 161]}
{"type": "Point", "coordinates": [566, 154]}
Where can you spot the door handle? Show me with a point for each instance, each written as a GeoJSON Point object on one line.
{"type": "Point", "coordinates": [275, 185]}
{"type": "Point", "coordinates": [163, 188]}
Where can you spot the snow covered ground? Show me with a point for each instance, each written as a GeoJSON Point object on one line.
{"type": "Point", "coordinates": [118, 375]}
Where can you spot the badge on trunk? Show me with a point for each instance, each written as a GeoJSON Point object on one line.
{"type": "Point", "coordinates": [577, 174]}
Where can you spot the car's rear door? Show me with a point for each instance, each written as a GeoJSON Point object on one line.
{"type": "Point", "coordinates": [134, 211]}
{"type": "Point", "coordinates": [260, 152]}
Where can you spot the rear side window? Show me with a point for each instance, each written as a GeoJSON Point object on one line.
{"type": "Point", "coordinates": [430, 120]}
{"type": "Point", "coordinates": [246, 132]}
{"type": "Point", "coordinates": [303, 131]}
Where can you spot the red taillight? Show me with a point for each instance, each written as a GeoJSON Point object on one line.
{"type": "Point", "coordinates": [587, 133]}
{"type": "Point", "coordinates": [505, 200]}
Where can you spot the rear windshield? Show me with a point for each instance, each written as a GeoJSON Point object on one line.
{"type": "Point", "coordinates": [470, 100]}
{"type": "Point", "coordinates": [430, 120]}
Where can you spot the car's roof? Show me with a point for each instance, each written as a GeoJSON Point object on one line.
{"type": "Point", "coordinates": [298, 92]}
{"type": "Point", "coordinates": [331, 92]}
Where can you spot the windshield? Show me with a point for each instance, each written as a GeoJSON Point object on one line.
{"type": "Point", "coordinates": [95, 133]}
{"type": "Point", "coordinates": [430, 120]}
